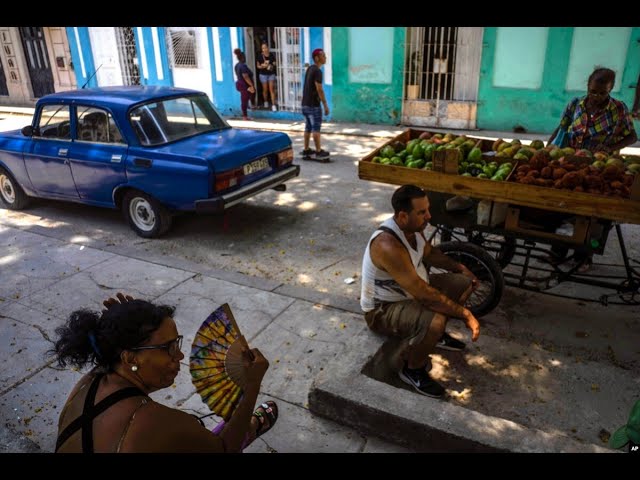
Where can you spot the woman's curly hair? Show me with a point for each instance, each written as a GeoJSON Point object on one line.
{"type": "Point", "coordinates": [90, 337]}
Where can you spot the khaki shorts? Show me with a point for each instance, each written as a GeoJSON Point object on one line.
{"type": "Point", "coordinates": [410, 319]}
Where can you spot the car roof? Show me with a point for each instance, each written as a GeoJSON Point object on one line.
{"type": "Point", "coordinates": [122, 96]}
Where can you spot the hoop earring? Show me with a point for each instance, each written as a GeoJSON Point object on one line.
{"type": "Point", "coordinates": [134, 368]}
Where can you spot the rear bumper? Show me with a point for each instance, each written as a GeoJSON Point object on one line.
{"type": "Point", "coordinates": [222, 202]}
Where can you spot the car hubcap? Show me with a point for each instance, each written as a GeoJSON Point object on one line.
{"type": "Point", "coordinates": [142, 214]}
{"type": "Point", "coordinates": [7, 189]}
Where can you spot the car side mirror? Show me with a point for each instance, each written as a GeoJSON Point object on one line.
{"type": "Point", "coordinates": [27, 131]}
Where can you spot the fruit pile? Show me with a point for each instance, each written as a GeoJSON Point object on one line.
{"type": "Point", "coordinates": [550, 166]}
{"type": "Point", "coordinates": [418, 153]}
{"type": "Point", "coordinates": [583, 172]}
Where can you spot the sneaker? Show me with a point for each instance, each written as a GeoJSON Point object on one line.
{"type": "Point", "coordinates": [306, 153]}
{"type": "Point", "coordinates": [274, 108]}
{"type": "Point", "coordinates": [266, 104]}
{"type": "Point", "coordinates": [447, 342]}
{"type": "Point", "coordinates": [421, 381]}
{"type": "Point", "coordinates": [322, 155]}
{"type": "Point", "coordinates": [585, 266]}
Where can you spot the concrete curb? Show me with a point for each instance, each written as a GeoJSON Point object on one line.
{"type": "Point", "coordinates": [342, 393]}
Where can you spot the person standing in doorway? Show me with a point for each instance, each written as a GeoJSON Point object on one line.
{"type": "Point", "coordinates": [312, 96]}
{"type": "Point", "coordinates": [244, 84]}
{"type": "Point", "coordinates": [267, 74]}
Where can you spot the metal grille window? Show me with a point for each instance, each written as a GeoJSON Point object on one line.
{"type": "Point", "coordinates": [128, 56]}
{"type": "Point", "coordinates": [441, 76]}
{"type": "Point", "coordinates": [430, 63]}
{"type": "Point", "coordinates": [183, 48]}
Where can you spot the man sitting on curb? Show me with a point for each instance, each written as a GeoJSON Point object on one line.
{"type": "Point", "coordinates": [400, 299]}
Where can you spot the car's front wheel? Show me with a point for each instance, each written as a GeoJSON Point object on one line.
{"type": "Point", "coordinates": [146, 216]}
{"type": "Point", "coordinates": [11, 194]}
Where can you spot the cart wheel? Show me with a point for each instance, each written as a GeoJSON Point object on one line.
{"type": "Point", "coordinates": [501, 248]}
{"type": "Point", "coordinates": [488, 294]}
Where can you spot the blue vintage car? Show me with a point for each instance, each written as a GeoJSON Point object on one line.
{"type": "Point", "coordinates": [149, 151]}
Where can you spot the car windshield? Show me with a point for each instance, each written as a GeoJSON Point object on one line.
{"type": "Point", "coordinates": [165, 121]}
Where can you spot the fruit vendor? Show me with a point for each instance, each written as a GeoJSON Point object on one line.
{"type": "Point", "coordinates": [597, 121]}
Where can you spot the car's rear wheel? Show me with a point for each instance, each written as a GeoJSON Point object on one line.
{"type": "Point", "coordinates": [11, 194]}
{"type": "Point", "coordinates": [146, 216]}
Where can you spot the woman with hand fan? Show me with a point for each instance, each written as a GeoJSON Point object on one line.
{"type": "Point", "coordinates": [135, 349]}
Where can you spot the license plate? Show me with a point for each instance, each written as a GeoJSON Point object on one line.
{"type": "Point", "coordinates": [256, 166]}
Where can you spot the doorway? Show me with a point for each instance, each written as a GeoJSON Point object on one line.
{"type": "Point", "coordinates": [3, 81]}
{"type": "Point", "coordinates": [35, 51]}
{"type": "Point", "coordinates": [285, 43]}
{"type": "Point", "coordinates": [442, 70]}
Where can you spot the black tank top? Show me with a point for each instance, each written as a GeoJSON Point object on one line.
{"type": "Point", "coordinates": [91, 411]}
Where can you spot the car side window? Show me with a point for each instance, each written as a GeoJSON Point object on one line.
{"type": "Point", "coordinates": [54, 122]}
{"type": "Point", "coordinates": [97, 125]}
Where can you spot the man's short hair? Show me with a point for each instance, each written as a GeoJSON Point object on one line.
{"type": "Point", "coordinates": [401, 200]}
{"type": "Point", "coordinates": [316, 52]}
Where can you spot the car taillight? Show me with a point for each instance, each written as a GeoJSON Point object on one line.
{"type": "Point", "coordinates": [285, 157]}
{"type": "Point", "coordinates": [228, 179]}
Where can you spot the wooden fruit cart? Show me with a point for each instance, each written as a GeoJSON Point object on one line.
{"type": "Point", "coordinates": [522, 248]}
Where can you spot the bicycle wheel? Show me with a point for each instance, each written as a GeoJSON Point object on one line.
{"type": "Point", "coordinates": [489, 292]}
{"type": "Point", "coordinates": [499, 247]}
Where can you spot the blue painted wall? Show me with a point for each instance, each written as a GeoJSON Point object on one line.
{"type": "Point", "coordinates": [226, 97]}
{"type": "Point", "coordinates": [152, 68]}
{"type": "Point", "coordinates": [87, 57]}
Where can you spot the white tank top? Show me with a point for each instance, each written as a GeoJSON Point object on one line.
{"type": "Point", "coordinates": [377, 285]}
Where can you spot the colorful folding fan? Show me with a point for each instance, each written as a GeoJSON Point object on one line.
{"type": "Point", "coordinates": [217, 364]}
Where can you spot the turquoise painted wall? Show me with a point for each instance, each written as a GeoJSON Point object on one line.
{"type": "Point", "coordinates": [519, 60]}
{"type": "Point", "coordinates": [539, 109]}
{"type": "Point", "coordinates": [593, 46]}
{"type": "Point", "coordinates": [358, 101]}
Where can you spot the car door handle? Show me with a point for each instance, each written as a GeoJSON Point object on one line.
{"type": "Point", "coordinates": [116, 158]}
{"type": "Point", "coordinates": [63, 152]}
{"type": "Point", "coordinates": [142, 162]}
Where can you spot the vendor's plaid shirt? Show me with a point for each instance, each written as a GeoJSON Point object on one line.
{"type": "Point", "coordinates": [607, 128]}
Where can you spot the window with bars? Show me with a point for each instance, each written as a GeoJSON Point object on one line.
{"type": "Point", "coordinates": [127, 55]}
{"type": "Point", "coordinates": [183, 47]}
{"type": "Point", "coordinates": [430, 62]}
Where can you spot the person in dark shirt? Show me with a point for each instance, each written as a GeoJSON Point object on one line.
{"type": "Point", "coordinates": [244, 84]}
{"type": "Point", "coordinates": [312, 96]}
{"type": "Point", "coordinates": [267, 73]}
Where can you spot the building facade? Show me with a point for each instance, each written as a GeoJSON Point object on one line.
{"type": "Point", "coordinates": [34, 61]}
{"type": "Point", "coordinates": [200, 58]}
{"type": "Point", "coordinates": [494, 78]}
